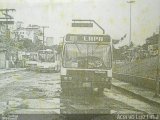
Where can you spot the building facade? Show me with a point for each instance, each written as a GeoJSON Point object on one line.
{"type": "Point", "coordinates": [2, 58]}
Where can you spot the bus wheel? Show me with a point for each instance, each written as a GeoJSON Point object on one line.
{"type": "Point", "coordinates": [109, 86]}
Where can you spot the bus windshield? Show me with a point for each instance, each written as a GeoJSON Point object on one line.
{"type": "Point", "coordinates": [33, 57]}
{"type": "Point", "coordinates": [46, 56]}
{"type": "Point", "coordinates": [87, 56]}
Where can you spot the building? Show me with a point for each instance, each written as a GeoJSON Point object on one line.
{"type": "Point", "coordinates": [32, 32]}
{"type": "Point", "coordinates": [2, 58]}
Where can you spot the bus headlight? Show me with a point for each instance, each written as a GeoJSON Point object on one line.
{"type": "Point", "coordinates": [70, 78]}
{"type": "Point", "coordinates": [65, 78]}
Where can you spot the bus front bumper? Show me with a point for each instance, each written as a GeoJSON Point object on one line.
{"type": "Point", "coordinates": [46, 69]}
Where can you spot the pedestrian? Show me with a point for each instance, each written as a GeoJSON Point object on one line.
{"type": "Point", "coordinates": [16, 63]}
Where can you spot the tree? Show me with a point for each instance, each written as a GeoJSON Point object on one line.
{"type": "Point", "coordinates": [28, 45]}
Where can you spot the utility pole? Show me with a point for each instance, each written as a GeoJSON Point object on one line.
{"type": "Point", "coordinates": [6, 18]}
{"type": "Point", "coordinates": [130, 15]}
{"type": "Point", "coordinates": [43, 28]}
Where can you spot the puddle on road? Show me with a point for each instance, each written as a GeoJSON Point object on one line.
{"type": "Point", "coordinates": [43, 103]}
{"type": "Point", "coordinates": [36, 106]}
{"type": "Point", "coordinates": [32, 93]}
{"type": "Point", "coordinates": [41, 90]}
{"type": "Point", "coordinates": [2, 107]}
{"type": "Point", "coordinates": [36, 111]}
{"type": "Point", "coordinates": [83, 105]}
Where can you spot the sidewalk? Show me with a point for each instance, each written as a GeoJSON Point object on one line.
{"type": "Point", "coordinates": [143, 93]}
{"type": "Point", "coordinates": [10, 70]}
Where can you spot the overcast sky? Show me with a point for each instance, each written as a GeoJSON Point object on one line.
{"type": "Point", "coordinates": [112, 15]}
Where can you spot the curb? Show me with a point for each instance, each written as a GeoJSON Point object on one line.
{"type": "Point", "coordinates": [138, 96]}
{"type": "Point", "coordinates": [148, 83]}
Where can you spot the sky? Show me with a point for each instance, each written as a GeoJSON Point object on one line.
{"type": "Point", "coordinates": [112, 15]}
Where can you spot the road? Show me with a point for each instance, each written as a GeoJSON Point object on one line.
{"type": "Point", "coordinates": [28, 92]}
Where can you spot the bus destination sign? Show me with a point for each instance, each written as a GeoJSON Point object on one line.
{"type": "Point", "coordinates": [87, 38]}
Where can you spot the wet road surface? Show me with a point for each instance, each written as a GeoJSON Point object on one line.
{"type": "Point", "coordinates": [28, 92]}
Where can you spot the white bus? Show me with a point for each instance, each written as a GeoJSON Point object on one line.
{"type": "Point", "coordinates": [31, 63]}
{"type": "Point", "coordinates": [86, 64]}
{"type": "Point", "coordinates": [48, 60]}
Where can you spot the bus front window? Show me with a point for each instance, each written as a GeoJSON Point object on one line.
{"type": "Point", "coordinates": [87, 56]}
{"type": "Point", "coordinates": [46, 57]}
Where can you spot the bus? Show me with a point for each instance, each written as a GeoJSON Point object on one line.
{"type": "Point", "coordinates": [48, 61]}
{"type": "Point", "coordinates": [31, 62]}
{"type": "Point", "coordinates": [86, 65]}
